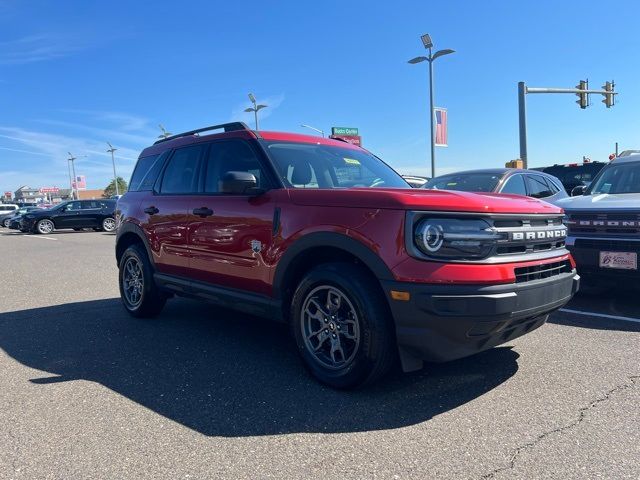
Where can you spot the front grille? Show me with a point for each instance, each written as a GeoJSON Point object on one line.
{"type": "Point", "coordinates": [626, 224]}
{"type": "Point", "coordinates": [539, 272]}
{"type": "Point", "coordinates": [608, 245]}
{"type": "Point", "coordinates": [529, 235]}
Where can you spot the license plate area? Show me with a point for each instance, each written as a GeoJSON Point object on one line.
{"type": "Point", "coordinates": [619, 260]}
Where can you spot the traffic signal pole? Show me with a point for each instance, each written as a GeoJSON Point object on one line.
{"type": "Point", "coordinates": [582, 91]}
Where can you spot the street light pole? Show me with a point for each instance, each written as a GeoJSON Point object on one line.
{"type": "Point", "coordinates": [255, 108]}
{"type": "Point", "coordinates": [70, 178]}
{"type": "Point", "coordinates": [321, 132]}
{"type": "Point", "coordinates": [113, 161]}
{"type": "Point", "coordinates": [74, 190]}
{"type": "Point", "coordinates": [428, 44]}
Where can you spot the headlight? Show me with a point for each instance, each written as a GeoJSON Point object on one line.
{"type": "Point", "coordinates": [455, 238]}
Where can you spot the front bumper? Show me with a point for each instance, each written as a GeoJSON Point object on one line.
{"type": "Point", "coordinates": [26, 224]}
{"type": "Point", "coordinates": [586, 253]}
{"type": "Point", "coordinates": [445, 322]}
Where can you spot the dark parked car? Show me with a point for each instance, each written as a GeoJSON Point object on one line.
{"type": "Point", "coordinates": [502, 180]}
{"type": "Point", "coordinates": [6, 220]}
{"type": "Point", "coordinates": [323, 235]}
{"type": "Point", "coordinates": [75, 214]}
{"type": "Point", "coordinates": [574, 175]}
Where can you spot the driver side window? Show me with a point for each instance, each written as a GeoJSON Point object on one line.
{"type": "Point", "coordinates": [72, 206]}
{"type": "Point", "coordinates": [231, 156]}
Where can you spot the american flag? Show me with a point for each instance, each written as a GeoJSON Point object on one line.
{"type": "Point", "coordinates": [441, 126]}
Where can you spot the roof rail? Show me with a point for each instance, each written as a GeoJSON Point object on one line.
{"type": "Point", "coordinates": [227, 127]}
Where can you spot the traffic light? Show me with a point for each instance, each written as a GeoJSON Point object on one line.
{"type": "Point", "coordinates": [583, 97]}
{"type": "Point", "coordinates": [609, 97]}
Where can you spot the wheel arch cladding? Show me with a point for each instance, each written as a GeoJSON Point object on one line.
{"type": "Point", "coordinates": [129, 234]}
{"type": "Point", "coordinates": [321, 247]}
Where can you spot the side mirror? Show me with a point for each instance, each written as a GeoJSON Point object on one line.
{"type": "Point", "coordinates": [579, 190]}
{"type": "Point", "coordinates": [239, 183]}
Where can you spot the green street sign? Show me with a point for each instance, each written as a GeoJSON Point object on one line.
{"type": "Point", "coordinates": [344, 131]}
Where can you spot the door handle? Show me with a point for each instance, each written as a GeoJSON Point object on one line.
{"type": "Point", "coordinates": [203, 212]}
{"type": "Point", "coordinates": [151, 210]}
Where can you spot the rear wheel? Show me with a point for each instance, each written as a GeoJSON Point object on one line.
{"type": "Point", "coordinates": [342, 326]}
{"type": "Point", "coordinates": [45, 226]}
{"type": "Point", "coordinates": [140, 295]}
{"type": "Point", "coordinates": [109, 224]}
{"type": "Point", "coordinates": [6, 222]}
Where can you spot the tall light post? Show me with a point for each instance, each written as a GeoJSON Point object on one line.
{"type": "Point", "coordinates": [321, 132]}
{"type": "Point", "coordinates": [428, 44]}
{"type": "Point", "coordinates": [113, 161]}
{"type": "Point", "coordinates": [164, 133]}
{"type": "Point", "coordinates": [74, 191]}
{"type": "Point", "coordinates": [255, 108]}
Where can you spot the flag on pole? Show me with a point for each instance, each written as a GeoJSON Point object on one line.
{"type": "Point", "coordinates": [441, 126]}
{"type": "Point", "coordinates": [80, 183]}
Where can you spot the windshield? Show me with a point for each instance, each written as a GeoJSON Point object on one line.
{"type": "Point", "coordinates": [308, 165]}
{"type": "Point", "coordinates": [466, 182]}
{"type": "Point", "coordinates": [621, 178]}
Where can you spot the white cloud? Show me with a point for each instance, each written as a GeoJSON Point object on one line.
{"type": "Point", "coordinates": [37, 48]}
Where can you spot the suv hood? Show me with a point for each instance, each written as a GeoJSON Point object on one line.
{"type": "Point", "coordinates": [419, 199]}
{"type": "Point", "coordinates": [618, 202]}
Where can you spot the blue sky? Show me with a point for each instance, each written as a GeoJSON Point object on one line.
{"type": "Point", "coordinates": [75, 74]}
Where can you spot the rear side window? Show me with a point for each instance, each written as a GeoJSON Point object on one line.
{"type": "Point", "coordinates": [515, 185]}
{"type": "Point", "coordinates": [143, 171]}
{"type": "Point", "coordinates": [181, 174]}
{"type": "Point", "coordinates": [538, 187]}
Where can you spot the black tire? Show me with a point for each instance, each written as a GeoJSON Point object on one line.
{"type": "Point", "coordinates": [5, 223]}
{"type": "Point", "coordinates": [375, 352]}
{"type": "Point", "coordinates": [152, 299]}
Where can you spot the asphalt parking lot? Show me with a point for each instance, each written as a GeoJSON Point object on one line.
{"type": "Point", "coordinates": [201, 392]}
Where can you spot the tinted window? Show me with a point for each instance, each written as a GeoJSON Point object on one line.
{"type": "Point", "coordinates": [538, 187]}
{"type": "Point", "coordinates": [310, 165]}
{"type": "Point", "coordinates": [89, 204]}
{"type": "Point", "coordinates": [143, 167]}
{"type": "Point", "coordinates": [552, 186]}
{"type": "Point", "coordinates": [466, 182]}
{"type": "Point", "coordinates": [515, 185]}
{"type": "Point", "coordinates": [181, 174]}
{"type": "Point", "coordinates": [618, 178]}
{"type": "Point", "coordinates": [231, 156]}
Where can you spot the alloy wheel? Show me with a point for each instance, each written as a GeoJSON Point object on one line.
{"type": "Point", "coordinates": [45, 226]}
{"type": "Point", "coordinates": [330, 327]}
{"type": "Point", "coordinates": [133, 282]}
{"type": "Point", "coordinates": [109, 224]}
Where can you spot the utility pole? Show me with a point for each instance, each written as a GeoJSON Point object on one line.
{"type": "Point", "coordinates": [113, 161]}
{"type": "Point", "coordinates": [428, 44]}
{"type": "Point", "coordinates": [581, 90]}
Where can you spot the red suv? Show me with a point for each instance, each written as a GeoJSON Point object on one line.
{"type": "Point", "coordinates": [325, 236]}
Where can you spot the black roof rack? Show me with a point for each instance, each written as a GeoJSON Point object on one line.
{"type": "Point", "coordinates": [227, 127]}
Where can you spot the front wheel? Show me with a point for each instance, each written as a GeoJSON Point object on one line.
{"type": "Point", "coordinates": [109, 224]}
{"type": "Point", "coordinates": [45, 226]}
{"type": "Point", "coordinates": [6, 222]}
{"type": "Point", "coordinates": [342, 326]}
{"type": "Point", "coordinates": [139, 293]}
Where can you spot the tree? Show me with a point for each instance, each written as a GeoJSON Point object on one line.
{"type": "Point", "coordinates": [110, 190]}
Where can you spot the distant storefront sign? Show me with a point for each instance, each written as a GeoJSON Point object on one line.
{"type": "Point", "coordinates": [49, 190]}
{"type": "Point", "coordinates": [353, 139]}
{"type": "Point", "coordinates": [345, 131]}
{"type": "Point", "coordinates": [8, 194]}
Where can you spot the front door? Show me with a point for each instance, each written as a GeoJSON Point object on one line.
{"type": "Point", "coordinates": [230, 239]}
{"type": "Point", "coordinates": [68, 215]}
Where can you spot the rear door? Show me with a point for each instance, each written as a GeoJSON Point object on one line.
{"type": "Point", "coordinates": [229, 246]}
{"type": "Point", "coordinates": [90, 214]}
{"type": "Point", "coordinates": [166, 210]}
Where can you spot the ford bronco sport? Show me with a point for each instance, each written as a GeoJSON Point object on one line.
{"type": "Point", "coordinates": [604, 224]}
{"type": "Point", "coordinates": [323, 235]}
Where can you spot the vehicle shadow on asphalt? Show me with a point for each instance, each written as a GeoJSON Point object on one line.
{"type": "Point", "coordinates": [224, 374]}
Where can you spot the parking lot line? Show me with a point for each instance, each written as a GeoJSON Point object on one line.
{"type": "Point", "coordinates": [41, 238]}
{"type": "Point", "coordinates": [603, 315]}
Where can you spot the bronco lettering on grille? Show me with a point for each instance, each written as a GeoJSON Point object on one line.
{"type": "Point", "coordinates": [608, 223]}
{"type": "Point", "coordinates": [537, 235]}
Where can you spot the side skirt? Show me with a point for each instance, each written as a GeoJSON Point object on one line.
{"type": "Point", "coordinates": [241, 301]}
